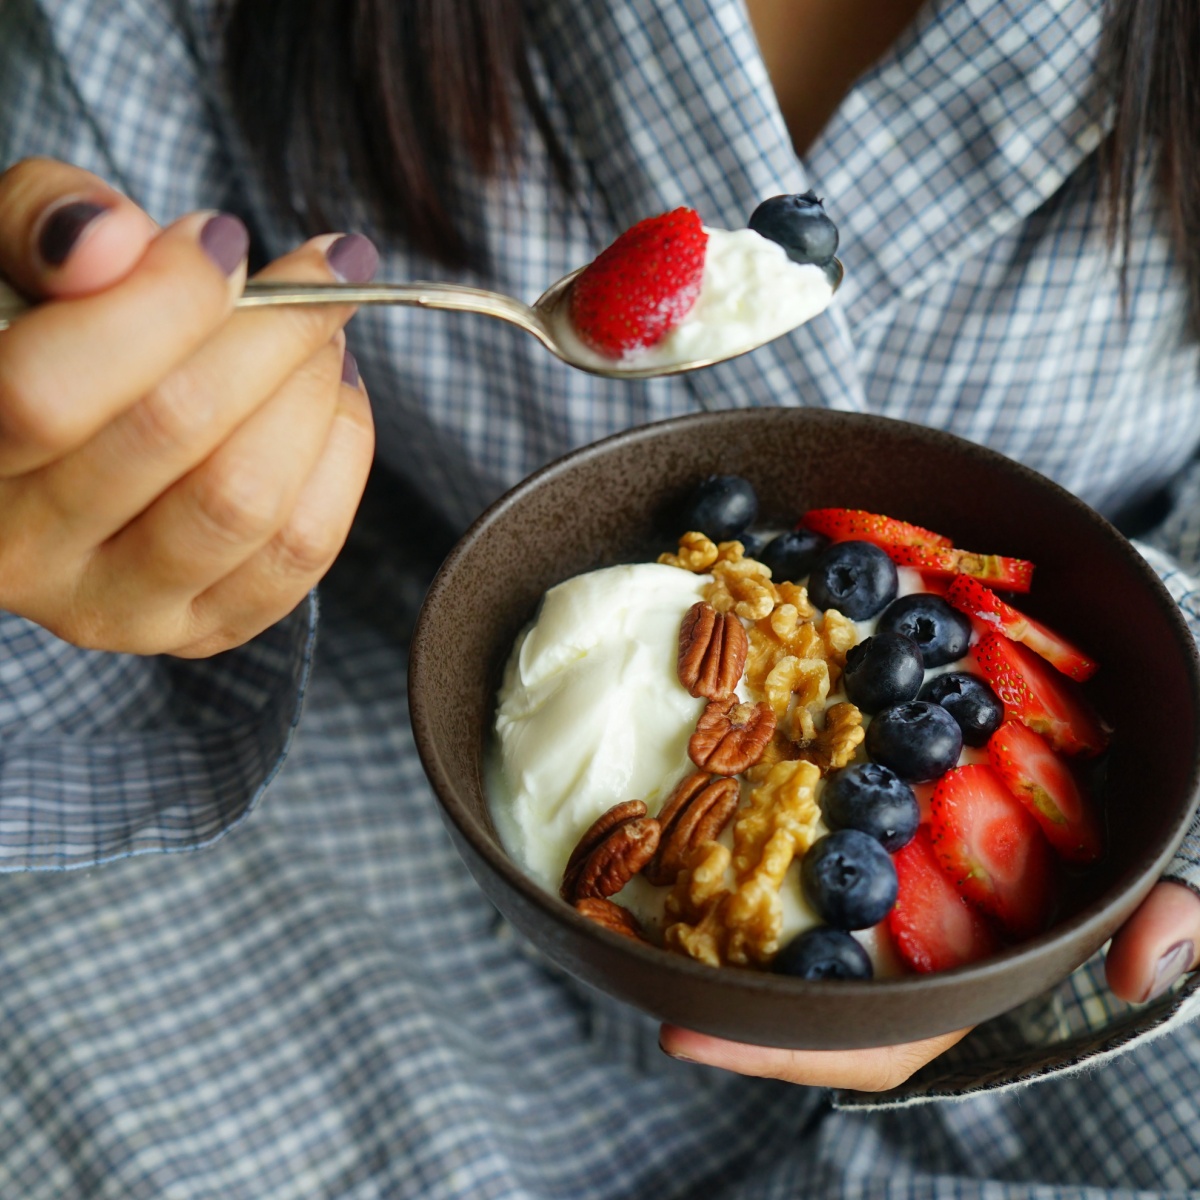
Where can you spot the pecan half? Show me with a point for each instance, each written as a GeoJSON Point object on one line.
{"type": "Point", "coordinates": [611, 852]}
{"type": "Point", "coordinates": [697, 811]}
{"type": "Point", "coordinates": [712, 651]}
{"type": "Point", "coordinates": [612, 916]}
{"type": "Point", "coordinates": [731, 736]}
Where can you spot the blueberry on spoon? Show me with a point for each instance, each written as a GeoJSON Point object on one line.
{"type": "Point", "coordinates": [800, 225]}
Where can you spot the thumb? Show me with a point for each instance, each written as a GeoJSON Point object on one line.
{"type": "Point", "coordinates": [1156, 945]}
{"type": "Point", "coordinates": [64, 232]}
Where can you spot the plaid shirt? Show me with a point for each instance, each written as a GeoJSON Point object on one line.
{"type": "Point", "coordinates": [325, 1005]}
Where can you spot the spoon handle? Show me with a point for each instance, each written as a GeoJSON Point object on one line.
{"type": "Point", "coordinates": [451, 296]}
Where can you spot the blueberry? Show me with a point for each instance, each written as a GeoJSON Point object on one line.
{"type": "Point", "coordinates": [856, 578]}
{"type": "Point", "coordinates": [823, 953]}
{"type": "Point", "coordinates": [873, 799]}
{"type": "Point", "coordinates": [970, 701]}
{"type": "Point", "coordinates": [918, 740]}
{"type": "Point", "coordinates": [849, 879]}
{"type": "Point", "coordinates": [884, 670]}
{"type": "Point", "coordinates": [753, 543]}
{"type": "Point", "coordinates": [721, 506]}
{"type": "Point", "coordinates": [791, 555]}
{"type": "Point", "coordinates": [942, 632]}
{"type": "Point", "coordinates": [800, 225]}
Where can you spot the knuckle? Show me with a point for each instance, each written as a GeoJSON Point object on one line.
{"type": "Point", "coordinates": [235, 503]}
{"type": "Point", "coordinates": [306, 545]}
{"type": "Point", "coordinates": [173, 415]}
{"type": "Point", "coordinates": [32, 417]}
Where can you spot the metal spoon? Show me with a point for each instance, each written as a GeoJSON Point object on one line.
{"type": "Point", "coordinates": [545, 319]}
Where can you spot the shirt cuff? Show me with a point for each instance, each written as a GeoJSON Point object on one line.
{"type": "Point", "coordinates": [103, 756]}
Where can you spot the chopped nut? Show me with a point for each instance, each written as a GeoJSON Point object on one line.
{"type": "Point", "coordinates": [697, 811]}
{"type": "Point", "coordinates": [712, 651]}
{"type": "Point", "coordinates": [805, 678]}
{"type": "Point", "coordinates": [795, 595]}
{"type": "Point", "coordinates": [701, 885]}
{"type": "Point", "coordinates": [742, 585]}
{"type": "Point", "coordinates": [696, 554]}
{"type": "Point", "coordinates": [833, 747]}
{"type": "Point", "coordinates": [731, 736]}
{"type": "Point", "coordinates": [780, 635]}
{"type": "Point", "coordinates": [779, 749]}
{"type": "Point", "coordinates": [705, 939]}
{"type": "Point", "coordinates": [779, 823]}
{"type": "Point", "coordinates": [611, 915]}
{"type": "Point", "coordinates": [839, 634]}
{"type": "Point", "coordinates": [804, 727]}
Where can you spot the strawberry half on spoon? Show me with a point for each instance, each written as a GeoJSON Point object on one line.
{"type": "Point", "coordinates": [636, 291]}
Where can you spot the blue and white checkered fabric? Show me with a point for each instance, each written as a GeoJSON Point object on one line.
{"type": "Point", "coordinates": [324, 1005]}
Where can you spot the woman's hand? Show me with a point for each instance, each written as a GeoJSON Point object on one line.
{"type": "Point", "coordinates": [174, 476]}
{"type": "Point", "coordinates": [1149, 953]}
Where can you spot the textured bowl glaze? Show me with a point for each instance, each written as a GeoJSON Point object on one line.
{"type": "Point", "coordinates": [612, 502]}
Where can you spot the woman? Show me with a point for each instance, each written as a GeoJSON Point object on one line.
{"type": "Point", "coordinates": [324, 1005]}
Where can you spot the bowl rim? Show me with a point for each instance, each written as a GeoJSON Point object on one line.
{"type": "Point", "coordinates": [1083, 924]}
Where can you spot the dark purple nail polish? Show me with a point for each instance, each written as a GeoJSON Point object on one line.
{"type": "Point", "coordinates": [225, 240]}
{"type": "Point", "coordinates": [353, 258]}
{"type": "Point", "coordinates": [1172, 964]}
{"type": "Point", "coordinates": [350, 370]}
{"type": "Point", "coordinates": [63, 229]}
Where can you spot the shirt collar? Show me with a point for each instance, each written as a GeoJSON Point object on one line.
{"type": "Point", "coordinates": [977, 116]}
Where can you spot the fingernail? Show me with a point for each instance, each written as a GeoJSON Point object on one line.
{"type": "Point", "coordinates": [1172, 964]}
{"type": "Point", "coordinates": [350, 370]}
{"type": "Point", "coordinates": [225, 240]}
{"type": "Point", "coordinates": [672, 1054]}
{"type": "Point", "coordinates": [353, 258]}
{"type": "Point", "coordinates": [63, 229]}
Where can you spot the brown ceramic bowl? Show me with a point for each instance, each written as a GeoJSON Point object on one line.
{"type": "Point", "coordinates": [610, 503]}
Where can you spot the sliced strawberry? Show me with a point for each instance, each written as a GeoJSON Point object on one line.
{"type": "Point", "coordinates": [854, 525]}
{"type": "Point", "coordinates": [1011, 574]}
{"type": "Point", "coordinates": [992, 848]}
{"type": "Point", "coordinates": [1043, 782]}
{"type": "Point", "coordinates": [1038, 696]}
{"type": "Point", "coordinates": [932, 924]}
{"type": "Point", "coordinates": [971, 597]}
{"type": "Point", "coordinates": [635, 292]}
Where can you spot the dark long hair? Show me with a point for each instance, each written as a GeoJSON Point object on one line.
{"type": "Point", "coordinates": [1151, 62]}
{"type": "Point", "coordinates": [379, 95]}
